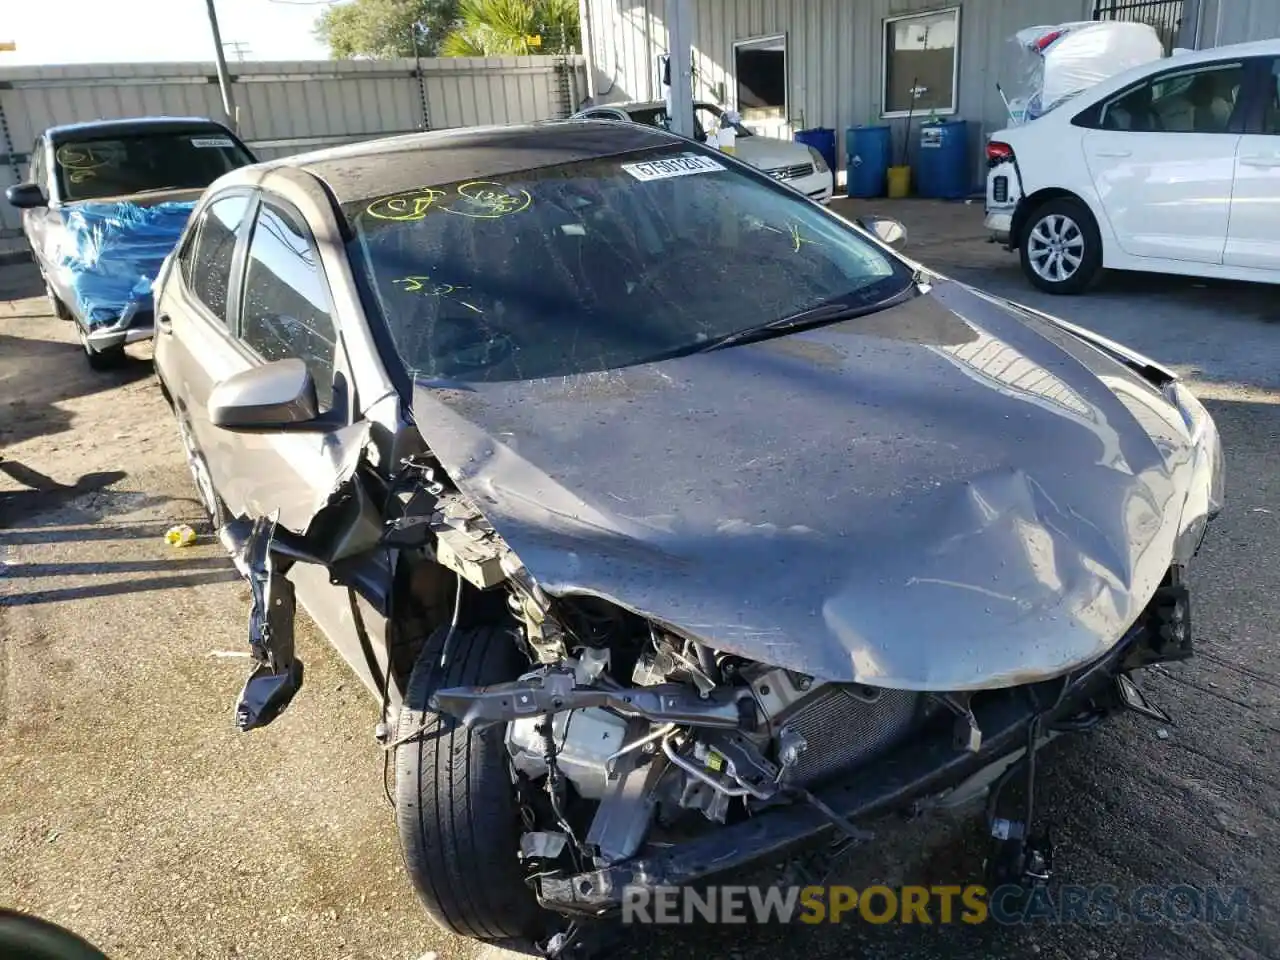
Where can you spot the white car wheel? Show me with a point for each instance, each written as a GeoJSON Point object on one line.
{"type": "Point", "coordinates": [1061, 248]}
{"type": "Point", "coordinates": [1055, 247]}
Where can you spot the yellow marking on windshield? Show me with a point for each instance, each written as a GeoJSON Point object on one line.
{"type": "Point", "coordinates": [481, 200]}
{"type": "Point", "coordinates": [793, 231]}
{"type": "Point", "coordinates": [430, 288]}
{"type": "Point", "coordinates": [82, 159]}
{"type": "Point", "coordinates": [796, 239]}
{"type": "Point", "coordinates": [405, 206]}
{"type": "Point", "coordinates": [492, 203]}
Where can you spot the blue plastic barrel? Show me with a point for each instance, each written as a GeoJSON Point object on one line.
{"type": "Point", "coordinates": [942, 162]}
{"type": "Point", "coordinates": [868, 150]}
{"type": "Point", "coordinates": [822, 139]}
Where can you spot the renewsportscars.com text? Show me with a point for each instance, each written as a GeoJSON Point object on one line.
{"type": "Point", "coordinates": [1101, 904]}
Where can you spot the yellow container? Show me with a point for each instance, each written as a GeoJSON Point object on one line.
{"type": "Point", "coordinates": [899, 182]}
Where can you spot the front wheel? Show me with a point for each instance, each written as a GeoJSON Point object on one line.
{"type": "Point", "coordinates": [456, 806]}
{"type": "Point", "coordinates": [60, 309]}
{"type": "Point", "coordinates": [210, 501]}
{"type": "Point", "coordinates": [1061, 248]}
{"type": "Point", "coordinates": [109, 359]}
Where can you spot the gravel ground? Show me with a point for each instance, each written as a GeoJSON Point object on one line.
{"type": "Point", "coordinates": [133, 812]}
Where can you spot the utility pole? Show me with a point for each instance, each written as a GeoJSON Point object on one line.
{"type": "Point", "coordinates": [224, 78]}
{"type": "Point", "coordinates": [417, 71]}
{"type": "Point", "coordinates": [680, 48]}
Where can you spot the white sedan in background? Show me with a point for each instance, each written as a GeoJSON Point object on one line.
{"type": "Point", "coordinates": [1172, 167]}
{"type": "Point", "coordinates": [799, 166]}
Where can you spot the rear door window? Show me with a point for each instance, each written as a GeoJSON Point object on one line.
{"type": "Point", "coordinates": [206, 263]}
{"type": "Point", "coordinates": [1271, 101]}
{"type": "Point", "coordinates": [1202, 99]}
{"type": "Point", "coordinates": [286, 310]}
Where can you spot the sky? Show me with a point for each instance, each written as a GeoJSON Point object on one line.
{"type": "Point", "coordinates": [105, 31]}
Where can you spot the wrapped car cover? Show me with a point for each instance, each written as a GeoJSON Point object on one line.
{"type": "Point", "coordinates": [1054, 63]}
{"type": "Point", "coordinates": [111, 252]}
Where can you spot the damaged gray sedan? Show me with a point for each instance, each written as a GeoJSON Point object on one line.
{"type": "Point", "coordinates": [674, 521]}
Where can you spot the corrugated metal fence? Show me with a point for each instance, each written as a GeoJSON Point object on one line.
{"type": "Point", "coordinates": [287, 107]}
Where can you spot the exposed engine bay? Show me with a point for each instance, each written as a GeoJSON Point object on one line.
{"type": "Point", "coordinates": [626, 737]}
{"type": "Point", "coordinates": [695, 732]}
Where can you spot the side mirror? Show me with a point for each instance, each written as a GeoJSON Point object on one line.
{"type": "Point", "coordinates": [26, 196]}
{"type": "Point", "coordinates": [888, 231]}
{"type": "Point", "coordinates": [274, 396]}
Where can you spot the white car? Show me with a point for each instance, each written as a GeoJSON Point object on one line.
{"type": "Point", "coordinates": [799, 166]}
{"type": "Point", "coordinates": [1172, 167]}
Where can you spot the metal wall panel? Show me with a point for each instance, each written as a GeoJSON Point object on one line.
{"type": "Point", "coordinates": [1238, 21]}
{"type": "Point", "coordinates": [285, 107]}
{"type": "Point", "coordinates": [834, 53]}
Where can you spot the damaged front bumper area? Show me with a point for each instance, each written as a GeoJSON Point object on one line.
{"type": "Point", "coordinates": [971, 745]}
{"type": "Point", "coordinates": [277, 672]}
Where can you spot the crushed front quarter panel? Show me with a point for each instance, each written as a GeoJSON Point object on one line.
{"type": "Point", "coordinates": [943, 495]}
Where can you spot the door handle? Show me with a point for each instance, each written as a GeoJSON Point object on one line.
{"type": "Point", "coordinates": [1261, 160]}
{"type": "Point", "coordinates": [164, 323]}
{"type": "Point", "coordinates": [1114, 154]}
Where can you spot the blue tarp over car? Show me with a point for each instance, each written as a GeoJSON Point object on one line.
{"type": "Point", "coordinates": [112, 252]}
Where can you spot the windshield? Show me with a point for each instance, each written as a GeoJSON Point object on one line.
{"type": "Point", "coordinates": [705, 117]}
{"type": "Point", "coordinates": [89, 169]}
{"type": "Point", "coordinates": [601, 264]}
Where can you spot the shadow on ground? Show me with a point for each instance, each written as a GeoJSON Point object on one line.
{"type": "Point", "coordinates": [44, 373]}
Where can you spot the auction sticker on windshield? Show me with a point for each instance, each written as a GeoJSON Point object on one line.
{"type": "Point", "coordinates": [221, 142]}
{"type": "Point", "coordinates": [681, 166]}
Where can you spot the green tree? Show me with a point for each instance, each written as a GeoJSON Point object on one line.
{"type": "Point", "coordinates": [384, 28]}
{"type": "Point", "coordinates": [505, 28]}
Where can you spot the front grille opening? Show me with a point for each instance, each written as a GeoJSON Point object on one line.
{"type": "Point", "coordinates": [794, 172]}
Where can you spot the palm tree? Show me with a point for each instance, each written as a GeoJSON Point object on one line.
{"type": "Point", "coordinates": [505, 28]}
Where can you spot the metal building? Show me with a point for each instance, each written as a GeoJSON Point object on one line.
{"type": "Point", "coordinates": [787, 65]}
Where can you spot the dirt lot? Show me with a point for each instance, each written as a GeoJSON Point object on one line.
{"type": "Point", "coordinates": [132, 811]}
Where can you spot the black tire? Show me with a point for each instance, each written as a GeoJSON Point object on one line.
{"type": "Point", "coordinates": [206, 493]}
{"type": "Point", "coordinates": [59, 308]}
{"type": "Point", "coordinates": [24, 937]}
{"type": "Point", "coordinates": [111, 359]}
{"type": "Point", "coordinates": [108, 359]}
{"type": "Point", "coordinates": [1075, 226]}
{"type": "Point", "coordinates": [456, 808]}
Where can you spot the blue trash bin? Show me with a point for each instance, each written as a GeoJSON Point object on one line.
{"type": "Point", "coordinates": [868, 150]}
{"type": "Point", "coordinates": [822, 139]}
{"type": "Point", "coordinates": [942, 161]}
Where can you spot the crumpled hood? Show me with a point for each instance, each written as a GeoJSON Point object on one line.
{"type": "Point", "coordinates": [944, 495]}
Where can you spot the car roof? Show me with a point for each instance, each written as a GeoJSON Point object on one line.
{"type": "Point", "coordinates": [629, 105]}
{"type": "Point", "coordinates": [390, 165]}
{"type": "Point", "coordinates": [1251, 48]}
{"type": "Point", "coordinates": [128, 125]}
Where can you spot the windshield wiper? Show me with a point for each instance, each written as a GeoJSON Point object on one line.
{"type": "Point", "coordinates": [813, 317]}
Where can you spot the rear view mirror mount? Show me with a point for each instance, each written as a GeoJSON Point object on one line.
{"type": "Point", "coordinates": [888, 231]}
{"type": "Point", "coordinates": [280, 395]}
